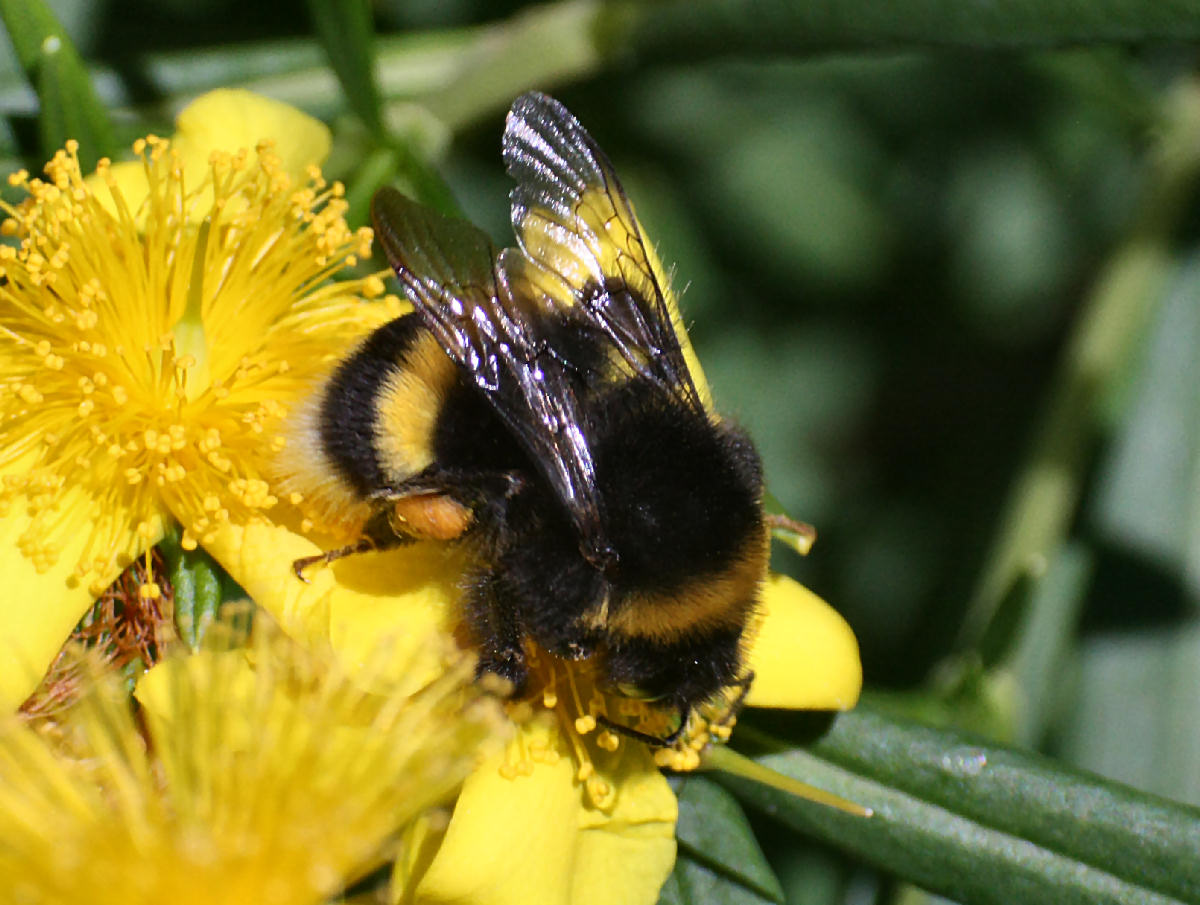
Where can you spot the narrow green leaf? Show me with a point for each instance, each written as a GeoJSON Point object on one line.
{"type": "Point", "coordinates": [348, 35]}
{"type": "Point", "coordinates": [1043, 500]}
{"type": "Point", "coordinates": [813, 875]}
{"type": "Point", "coordinates": [672, 893]}
{"type": "Point", "coordinates": [714, 832]}
{"type": "Point", "coordinates": [734, 26]}
{"type": "Point", "coordinates": [377, 169]}
{"type": "Point", "coordinates": [1009, 687]}
{"type": "Point", "coordinates": [694, 882]}
{"type": "Point", "coordinates": [1045, 639]}
{"type": "Point", "coordinates": [201, 588]}
{"type": "Point", "coordinates": [1149, 500]}
{"type": "Point", "coordinates": [426, 183]}
{"type": "Point", "coordinates": [986, 824]}
{"type": "Point", "coordinates": [1136, 716]}
{"type": "Point", "coordinates": [465, 74]}
{"type": "Point", "coordinates": [69, 106]}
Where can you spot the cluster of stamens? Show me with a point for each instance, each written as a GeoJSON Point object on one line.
{"type": "Point", "coordinates": [587, 715]}
{"type": "Point", "coordinates": [147, 354]}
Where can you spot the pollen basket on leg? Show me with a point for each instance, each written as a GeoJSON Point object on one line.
{"type": "Point", "coordinates": [148, 357]}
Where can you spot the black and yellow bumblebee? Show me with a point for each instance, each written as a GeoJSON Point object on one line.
{"type": "Point", "coordinates": [541, 405]}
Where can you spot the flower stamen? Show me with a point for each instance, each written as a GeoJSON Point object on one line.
{"type": "Point", "coordinates": [147, 356]}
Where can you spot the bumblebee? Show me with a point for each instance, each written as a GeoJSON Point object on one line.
{"type": "Point", "coordinates": [540, 405]}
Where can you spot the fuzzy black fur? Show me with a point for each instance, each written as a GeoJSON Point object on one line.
{"type": "Point", "coordinates": [348, 411]}
{"type": "Point", "coordinates": [681, 494]}
{"type": "Point", "coordinates": [678, 675]}
{"type": "Point", "coordinates": [680, 502]}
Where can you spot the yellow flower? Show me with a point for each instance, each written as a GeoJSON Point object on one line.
{"type": "Point", "coordinates": [259, 774]}
{"type": "Point", "coordinates": [568, 813]}
{"type": "Point", "coordinates": [153, 321]}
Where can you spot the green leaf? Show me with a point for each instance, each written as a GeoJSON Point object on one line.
{"type": "Point", "coordinates": [1043, 499]}
{"type": "Point", "coordinates": [1149, 500]}
{"type": "Point", "coordinates": [201, 588]}
{"type": "Point", "coordinates": [714, 834]}
{"type": "Point", "coordinates": [425, 183]}
{"type": "Point", "coordinates": [70, 108]}
{"type": "Point", "coordinates": [1045, 639]}
{"type": "Point", "coordinates": [377, 168]}
{"type": "Point", "coordinates": [1009, 688]}
{"type": "Point", "coordinates": [685, 26]}
{"type": "Point", "coordinates": [808, 873]}
{"type": "Point", "coordinates": [348, 35]}
{"type": "Point", "coordinates": [1136, 716]}
{"type": "Point", "coordinates": [694, 882]}
{"type": "Point", "coordinates": [986, 824]}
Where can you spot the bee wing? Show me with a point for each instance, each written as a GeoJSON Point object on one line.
{"type": "Point", "coordinates": [447, 269]}
{"type": "Point", "coordinates": [582, 254]}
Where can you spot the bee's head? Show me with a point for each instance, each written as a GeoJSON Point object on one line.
{"type": "Point", "coordinates": [599, 553]}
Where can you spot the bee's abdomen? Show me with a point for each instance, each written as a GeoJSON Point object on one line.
{"type": "Point", "coordinates": [682, 491]}
{"type": "Point", "coordinates": [379, 408]}
{"type": "Point", "coordinates": [683, 508]}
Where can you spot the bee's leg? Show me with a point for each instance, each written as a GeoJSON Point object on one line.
{"type": "Point", "coordinates": [498, 634]}
{"type": "Point", "coordinates": [378, 534]}
{"type": "Point", "coordinates": [727, 715]}
{"type": "Point", "coordinates": [654, 741]}
{"type": "Point", "coordinates": [803, 534]}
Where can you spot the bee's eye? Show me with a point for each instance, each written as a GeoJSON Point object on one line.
{"type": "Point", "coordinates": [637, 693]}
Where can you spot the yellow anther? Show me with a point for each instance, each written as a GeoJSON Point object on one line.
{"type": "Point", "coordinates": [600, 792]}
{"type": "Point", "coordinates": [585, 724]}
{"type": "Point", "coordinates": [373, 287]}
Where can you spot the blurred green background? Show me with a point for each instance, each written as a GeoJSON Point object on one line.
{"type": "Point", "coordinates": [937, 283]}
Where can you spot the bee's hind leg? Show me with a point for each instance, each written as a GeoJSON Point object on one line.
{"type": "Point", "coordinates": [378, 534]}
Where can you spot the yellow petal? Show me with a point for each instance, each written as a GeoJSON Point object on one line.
{"type": "Point", "coordinates": [37, 616]}
{"type": "Point", "coordinates": [805, 655]}
{"type": "Point", "coordinates": [41, 608]}
{"type": "Point", "coordinates": [403, 595]}
{"type": "Point", "coordinates": [535, 838]}
{"type": "Point", "coordinates": [226, 120]}
{"type": "Point", "coordinates": [625, 855]}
